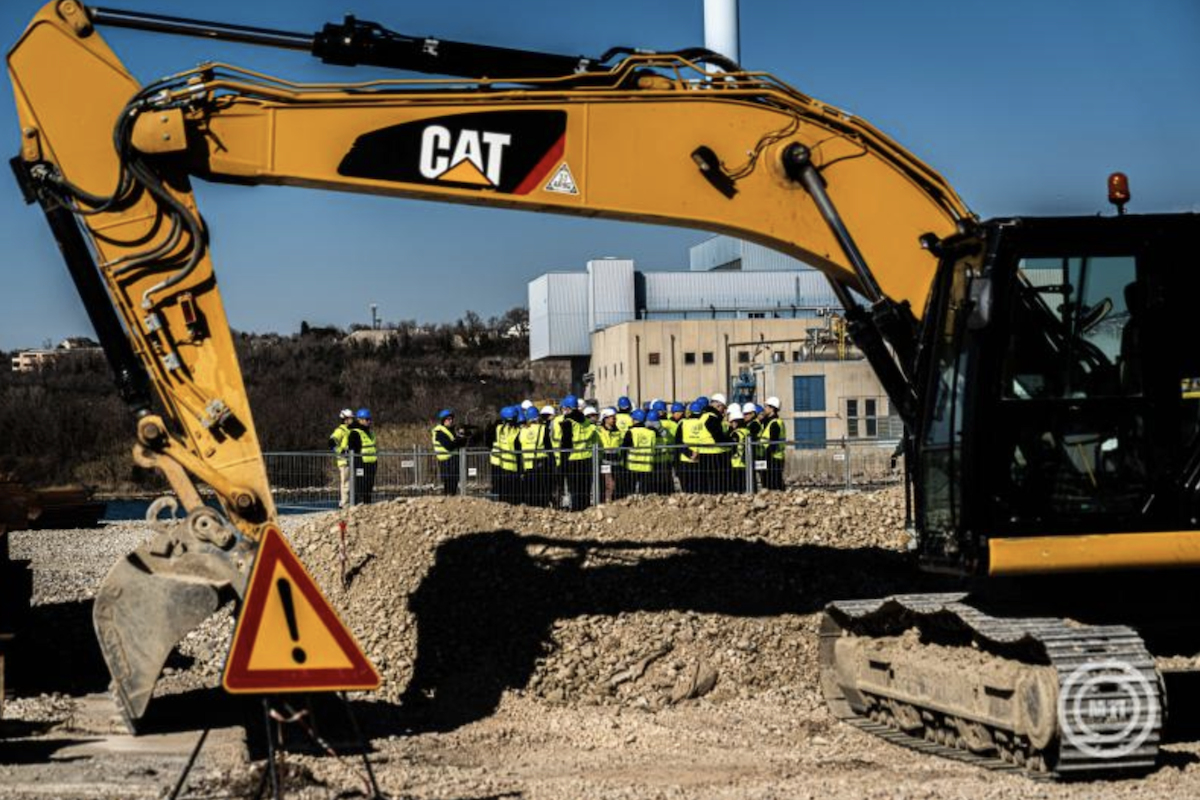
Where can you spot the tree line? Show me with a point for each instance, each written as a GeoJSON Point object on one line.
{"type": "Point", "coordinates": [66, 423]}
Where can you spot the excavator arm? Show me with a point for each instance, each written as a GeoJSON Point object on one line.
{"type": "Point", "coordinates": [648, 137]}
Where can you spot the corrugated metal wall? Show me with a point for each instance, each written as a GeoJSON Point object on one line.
{"type": "Point", "coordinates": [558, 315]}
{"type": "Point", "coordinates": [727, 253]}
{"type": "Point", "coordinates": [611, 292]}
{"type": "Point", "coordinates": [679, 292]}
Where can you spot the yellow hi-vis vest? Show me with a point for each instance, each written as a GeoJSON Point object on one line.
{"type": "Point", "coordinates": [624, 421]}
{"type": "Point", "coordinates": [773, 432]}
{"type": "Point", "coordinates": [641, 457]}
{"type": "Point", "coordinates": [506, 438]}
{"type": "Point", "coordinates": [494, 457]}
{"type": "Point", "coordinates": [691, 437]}
{"type": "Point", "coordinates": [738, 456]}
{"type": "Point", "coordinates": [670, 426]}
{"type": "Point", "coordinates": [367, 437]}
{"type": "Point", "coordinates": [664, 440]}
{"type": "Point", "coordinates": [532, 453]}
{"type": "Point", "coordinates": [340, 434]}
{"type": "Point", "coordinates": [556, 435]}
{"type": "Point", "coordinates": [708, 445]}
{"type": "Point", "coordinates": [442, 453]}
{"type": "Point", "coordinates": [581, 441]}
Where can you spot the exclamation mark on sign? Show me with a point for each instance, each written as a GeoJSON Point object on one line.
{"type": "Point", "coordinates": [289, 611]}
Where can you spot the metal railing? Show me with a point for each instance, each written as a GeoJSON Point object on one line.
{"type": "Point", "coordinates": [576, 479]}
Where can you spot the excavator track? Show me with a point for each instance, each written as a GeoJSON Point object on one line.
{"type": "Point", "coordinates": [1044, 697]}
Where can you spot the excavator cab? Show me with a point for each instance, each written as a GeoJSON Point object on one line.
{"type": "Point", "coordinates": [1062, 395]}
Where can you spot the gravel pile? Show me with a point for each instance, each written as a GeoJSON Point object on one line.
{"type": "Point", "coordinates": [646, 603]}
{"type": "Point", "coordinates": [656, 647]}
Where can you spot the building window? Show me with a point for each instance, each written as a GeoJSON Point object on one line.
{"type": "Point", "coordinates": [795, 355]}
{"type": "Point", "coordinates": [757, 315]}
{"type": "Point", "coordinates": [862, 417]}
{"type": "Point", "coordinates": [810, 433]}
{"type": "Point", "coordinates": [743, 356]}
{"type": "Point", "coordinates": [689, 358]}
{"type": "Point", "coordinates": [653, 359]}
{"type": "Point", "coordinates": [808, 393]}
{"type": "Point", "coordinates": [707, 357]}
{"type": "Point", "coordinates": [776, 356]}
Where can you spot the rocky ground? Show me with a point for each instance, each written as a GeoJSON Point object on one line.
{"type": "Point", "coordinates": [653, 648]}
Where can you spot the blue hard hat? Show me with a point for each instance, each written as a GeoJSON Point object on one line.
{"type": "Point", "coordinates": [702, 400]}
{"type": "Point", "coordinates": [652, 416]}
{"type": "Point", "coordinates": [677, 408]}
{"type": "Point", "coordinates": [570, 401]}
{"type": "Point", "coordinates": [363, 413]}
{"type": "Point", "coordinates": [758, 409]}
{"type": "Point", "coordinates": [445, 412]}
{"type": "Point", "coordinates": [508, 412]}
{"type": "Point", "coordinates": [623, 404]}
{"type": "Point", "coordinates": [638, 415]}
{"type": "Point", "coordinates": [696, 407]}
{"type": "Point", "coordinates": [531, 414]}
{"type": "Point", "coordinates": [658, 405]}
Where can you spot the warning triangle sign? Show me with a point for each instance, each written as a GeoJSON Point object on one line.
{"type": "Point", "coordinates": [563, 181]}
{"type": "Point", "coordinates": [288, 638]}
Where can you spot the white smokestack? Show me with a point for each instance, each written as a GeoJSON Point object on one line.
{"type": "Point", "coordinates": [721, 27]}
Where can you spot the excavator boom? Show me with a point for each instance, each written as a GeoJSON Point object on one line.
{"type": "Point", "coordinates": [648, 137]}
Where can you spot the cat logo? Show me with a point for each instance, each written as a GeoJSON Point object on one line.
{"type": "Point", "coordinates": [511, 152]}
{"type": "Point", "coordinates": [476, 158]}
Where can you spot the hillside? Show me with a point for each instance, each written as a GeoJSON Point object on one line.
{"type": "Point", "coordinates": [67, 424]}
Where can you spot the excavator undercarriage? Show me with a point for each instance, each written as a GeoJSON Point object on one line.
{"type": "Point", "coordinates": [1044, 696]}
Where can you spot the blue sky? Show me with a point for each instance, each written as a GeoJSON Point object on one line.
{"type": "Point", "coordinates": [1024, 105]}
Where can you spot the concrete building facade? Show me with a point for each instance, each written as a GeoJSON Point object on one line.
{"type": "Point", "coordinates": [744, 321]}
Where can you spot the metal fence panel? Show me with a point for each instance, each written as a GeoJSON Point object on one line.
{"type": "Point", "coordinates": [309, 481]}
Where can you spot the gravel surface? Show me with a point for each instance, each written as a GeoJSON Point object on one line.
{"type": "Point", "coordinates": [652, 648]}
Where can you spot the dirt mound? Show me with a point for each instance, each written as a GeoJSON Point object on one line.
{"type": "Point", "coordinates": [647, 602]}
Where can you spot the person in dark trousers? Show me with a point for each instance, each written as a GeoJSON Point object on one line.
{"type": "Point", "coordinates": [491, 443]}
{"type": "Point", "coordinates": [774, 446]}
{"type": "Point", "coordinates": [577, 453]}
{"type": "Point", "coordinates": [446, 444]}
{"type": "Point", "coordinates": [534, 446]}
{"type": "Point", "coordinates": [714, 448]}
{"type": "Point", "coordinates": [506, 445]}
{"type": "Point", "coordinates": [361, 442]}
{"type": "Point", "coordinates": [639, 444]}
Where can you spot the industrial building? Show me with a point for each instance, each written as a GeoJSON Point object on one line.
{"type": "Point", "coordinates": [744, 320]}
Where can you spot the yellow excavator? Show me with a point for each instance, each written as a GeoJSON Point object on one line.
{"type": "Point", "coordinates": [1052, 416]}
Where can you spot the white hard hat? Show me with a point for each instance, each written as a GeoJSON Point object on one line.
{"type": "Point", "coordinates": [526, 404]}
{"type": "Point", "coordinates": [773, 402]}
{"type": "Point", "coordinates": [589, 411]}
{"type": "Point", "coordinates": [605, 413]}
{"type": "Point", "coordinates": [749, 408]}
{"type": "Point", "coordinates": [547, 410]}
{"type": "Point", "coordinates": [346, 414]}
{"type": "Point", "coordinates": [717, 398]}
{"type": "Point", "coordinates": [735, 412]}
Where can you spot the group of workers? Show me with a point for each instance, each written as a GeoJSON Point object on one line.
{"type": "Point", "coordinates": [354, 435]}
{"type": "Point", "coordinates": [540, 456]}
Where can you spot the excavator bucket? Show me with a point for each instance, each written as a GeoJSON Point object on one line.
{"type": "Point", "coordinates": [159, 593]}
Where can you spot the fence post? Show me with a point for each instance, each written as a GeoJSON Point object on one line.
{"type": "Point", "coordinates": [462, 472]}
{"type": "Point", "coordinates": [846, 456]}
{"type": "Point", "coordinates": [597, 497]}
{"type": "Point", "coordinates": [748, 460]}
{"type": "Point", "coordinates": [353, 476]}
